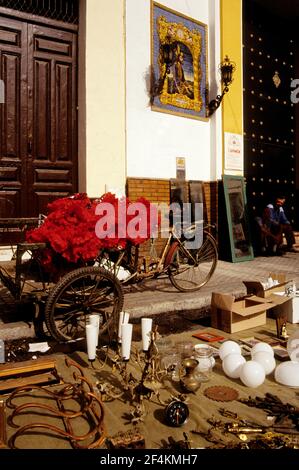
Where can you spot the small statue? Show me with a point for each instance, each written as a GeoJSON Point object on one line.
{"type": "Point", "coordinates": [284, 334]}
{"type": "Point", "coordinates": [281, 328]}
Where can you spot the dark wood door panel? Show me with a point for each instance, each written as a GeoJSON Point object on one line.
{"type": "Point", "coordinates": [64, 111]}
{"type": "Point", "coordinates": [9, 203]}
{"type": "Point", "coordinates": [53, 113]}
{"type": "Point", "coordinates": [43, 198]}
{"type": "Point", "coordinates": [38, 122]}
{"type": "Point", "coordinates": [13, 117]}
{"type": "Point", "coordinates": [41, 94]}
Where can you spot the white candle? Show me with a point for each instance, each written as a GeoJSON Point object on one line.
{"type": "Point", "coordinates": [126, 337]}
{"type": "Point", "coordinates": [95, 320]}
{"type": "Point", "coordinates": [92, 341]}
{"type": "Point", "coordinates": [146, 328]}
{"type": "Point", "coordinates": [123, 320]}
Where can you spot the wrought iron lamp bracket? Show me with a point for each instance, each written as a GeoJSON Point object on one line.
{"type": "Point", "coordinates": [226, 69]}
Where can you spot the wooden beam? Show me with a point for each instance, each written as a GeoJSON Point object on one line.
{"type": "Point", "coordinates": [21, 368]}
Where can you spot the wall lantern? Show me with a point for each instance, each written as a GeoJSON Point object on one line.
{"type": "Point", "coordinates": [226, 69]}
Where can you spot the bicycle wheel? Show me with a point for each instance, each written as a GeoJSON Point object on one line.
{"type": "Point", "coordinates": [187, 275]}
{"type": "Point", "coordinates": [80, 293]}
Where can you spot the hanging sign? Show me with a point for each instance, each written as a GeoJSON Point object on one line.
{"type": "Point", "coordinates": [233, 153]}
{"type": "Point", "coordinates": [181, 168]}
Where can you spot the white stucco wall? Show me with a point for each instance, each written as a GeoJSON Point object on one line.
{"type": "Point", "coordinates": [155, 139]}
{"type": "Point", "coordinates": [102, 96]}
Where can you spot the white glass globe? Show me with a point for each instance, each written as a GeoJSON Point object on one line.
{"type": "Point", "coordinates": [261, 347]}
{"type": "Point", "coordinates": [229, 347]}
{"type": "Point", "coordinates": [232, 365]}
{"type": "Point", "coordinates": [294, 355]}
{"type": "Point", "coordinates": [252, 374]}
{"type": "Point", "coordinates": [292, 345]}
{"type": "Point", "coordinates": [287, 374]}
{"type": "Point", "coordinates": [266, 360]}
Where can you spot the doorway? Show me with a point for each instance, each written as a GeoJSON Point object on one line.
{"type": "Point", "coordinates": [38, 121]}
{"type": "Point", "coordinates": [270, 128]}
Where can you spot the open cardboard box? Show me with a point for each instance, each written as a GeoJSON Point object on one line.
{"type": "Point", "coordinates": [257, 288]}
{"type": "Point", "coordinates": [285, 306]}
{"type": "Point", "coordinates": [282, 305]}
{"type": "Point", "coordinates": [232, 316]}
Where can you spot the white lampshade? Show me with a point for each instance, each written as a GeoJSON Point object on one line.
{"type": "Point", "coordinates": [287, 373]}
{"type": "Point", "coordinates": [232, 365]}
{"type": "Point", "coordinates": [229, 347]}
{"type": "Point", "coordinates": [95, 320]}
{"type": "Point", "coordinates": [126, 340]}
{"type": "Point", "coordinates": [266, 360]}
{"type": "Point", "coordinates": [294, 355]}
{"type": "Point", "coordinates": [92, 341]}
{"type": "Point", "coordinates": [293, 344]}
{"type": "Point", "coordinates": [146, 328]}
{"type": "Point", "coordinates": [259, 347]}
{"type": "Point", "coordinates": [252, 374]}
{"type": "Point", "coordinates": [123, 320]}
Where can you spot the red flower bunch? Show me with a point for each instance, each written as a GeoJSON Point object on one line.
{"type": "Point", "coordinates": [121, 221]}
{"type": "Point", "coordinates": [76, 228]}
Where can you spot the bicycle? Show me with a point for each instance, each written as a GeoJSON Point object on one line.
{"type": "Point", "coordinates": [188, 269]}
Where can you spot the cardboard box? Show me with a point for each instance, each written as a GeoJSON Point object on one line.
{"type": "Point", "coordinates": [257, 288]}
{"type": "Point", "coordinates": [286, 306]}
{"type": "Point", "coordinates": [294, 318]}
{"type": "Point", "coordinates": [281, 303]}
{"type": "Point", "coordinates": [232, 316]}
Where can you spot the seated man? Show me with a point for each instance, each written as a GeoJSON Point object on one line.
{"type": "Point", "coordinates": [275, 220]}
{"type": "Point", "coordinates": [269, 243]}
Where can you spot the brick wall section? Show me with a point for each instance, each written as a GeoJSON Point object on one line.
{"type": "Point", "coordinates": [210, 189]}
{"type": "Point", "coordinates": [156, 191]}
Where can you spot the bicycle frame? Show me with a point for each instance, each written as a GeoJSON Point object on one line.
{"type": "Point", "coordinates": [161, 264]}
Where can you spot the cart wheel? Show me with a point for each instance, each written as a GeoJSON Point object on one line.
{"type": "Point", "coordinates": [80, 293]}
{"type": "Point", "coordinates": [39, 324]}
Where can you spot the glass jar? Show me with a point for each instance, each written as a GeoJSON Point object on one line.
{"type": "Point", "coordinates": [185, 349]}
{"type": "Point", "coordinates": [163, 344]}
{"type": "Point", "coordinates": [170, 362]}
{"type": "Point", "coordinates": [206, 362]}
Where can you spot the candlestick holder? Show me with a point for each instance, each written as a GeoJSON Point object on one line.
{"type": "Point", "coordinates": [147, 386]}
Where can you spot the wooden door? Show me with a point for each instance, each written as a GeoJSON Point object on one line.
{"type": "Point", "coordinates": [38, 148]}
{"type": "Point", "coordinates": [52, 108]}
{"type": "Point", "coordinates": [13, 117]}
{"type": "Point", "coordinates": [269, 114]}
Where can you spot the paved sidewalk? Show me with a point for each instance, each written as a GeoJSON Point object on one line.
{"type": "Point", "coordinates": [161, 300]}
{"type": "Point", "coordinates": [160, 297]}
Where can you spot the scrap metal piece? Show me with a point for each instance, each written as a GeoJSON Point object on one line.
{"type": "Point", "coordinates": [273, 406]}
{"type": "Point", "coordinates": [132, 439]}
{"type": "Point", "coordinates": [221, 393]}
{"type": "Point", "coordinates": [3, 444]}
{"type": "Point", "coordinates": [40, 372]}
{"type": "Point", "coordinates": [81, 393]}
{"type": "Point", "coordinates": [29, 367]}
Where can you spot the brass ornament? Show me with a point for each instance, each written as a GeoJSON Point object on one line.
{"type": "Point", "coordinates": [189, 381]}
{"type": "Point", "coordinates": [276, 79]}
